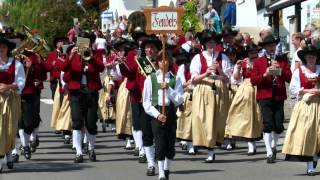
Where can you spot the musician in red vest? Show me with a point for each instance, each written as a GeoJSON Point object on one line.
{"type": "Point", "coordinates": [269, 74]}
{"type": "Point", "coordinates": [54, 62]}
{"type": "Point", "coordinates": [83, 83]}
{"type": "Point", "coordinates": [12, 81]}
{"type": "Point", "coordinates": [30, 120]}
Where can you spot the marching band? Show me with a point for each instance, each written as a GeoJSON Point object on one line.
{"type": "Point", "coordinates": [207, 90]}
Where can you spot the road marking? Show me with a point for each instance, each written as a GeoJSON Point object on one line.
{"type": "Point", "coordinates": [47, 101]}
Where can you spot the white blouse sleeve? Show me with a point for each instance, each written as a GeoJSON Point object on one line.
{"type": "Point", "coordinates": [176, 94]}
{"type": "Point", "coordinates": [226, 64]}
{"type": "Point", "coordinates": [63, 83]}
{"type": "Point", "coordinates": [147, 99]}
{"type": "Point", "coordinates": [20, 77]}
{"type": "Point", "coordinates": [295, 86]}
{"type": "Point", "coordinates": [195, 66]}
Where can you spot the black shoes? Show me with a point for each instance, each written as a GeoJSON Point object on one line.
{"type": "Point", "coordinates": [270, 160]}
{"type": "Point", "coordinates": [92, 155]}
{"type": "Point", "coordinates": [15, 158]}
{"type": "Point", "coordinates": [151, 171]}
{"type": "Point", "coordinates": [67, 140]}
{"type": "Point", "coordinates": [311, 173]}
{"type": "Point", "coordinates": [85, 148]}
{"type": "Point", "coordinates": [10, 165]}
{"type": "Point", "coordinates": [33, 146]}
{"type": "Point", "coordinates": [163, 178]}
{"type": "Point", "coordinates": [274, 153]}
{"type": "Point", "coordinates": [26, 152]}
{"type": "Point", "coordinates": [136, 152]}
{"type": "Point", "coordinates": [184, 147]}
{"type": "Point", "coordinates": [166, 174]}
{"type": "Point", "coordinates": [143, 158]}
{"type": "Point", "coordinates": [57, 132]}
{"type": "Point", "coordinates": [78, 158]}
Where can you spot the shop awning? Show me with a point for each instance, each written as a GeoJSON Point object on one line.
{"type": "Point", "coordinates": [281, 4]}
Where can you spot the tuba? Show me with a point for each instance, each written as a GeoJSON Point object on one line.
{"type": "Point", "coordinates": [32, 43]}
{"type": "Point", "coordinates": [84, 48]}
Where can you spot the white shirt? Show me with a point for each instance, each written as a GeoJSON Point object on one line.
{"type": "Point", "coordinates": [172, 95]}
{"type": "Point", "coordinates": [63, 83]}
{"type": "Point", "coordinates": [20, 77]}
{"type": "Point", "coordinates": [115, 73]}
{"type": "Point", "coordinates": [187, 46]}
{"type": "Point", "coordinates": [101, 43]}
{"type": "Point", "coordinates": [195, 66]}
{"type": "Point", "coordinates": [295, 84]}
{"type": "Point", "coordinates": [295, 59]}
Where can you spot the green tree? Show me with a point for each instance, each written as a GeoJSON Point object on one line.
{"type": "Point", "coordinates": [50, 17]}
{"type": "Point", "coordinates": [190, 18]}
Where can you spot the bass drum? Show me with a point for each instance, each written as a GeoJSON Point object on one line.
{"type": "Point", "coordinates": [136, 19]}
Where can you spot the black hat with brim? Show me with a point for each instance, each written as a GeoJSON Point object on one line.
{"type": "Point", "coordinates": [59, 39]}
{"type": "Point", "coordinates": [227, 30]}
{"type": "Point", "coordinates": [152, 39]}
{"type": "Point", "coordinates": [309, 49]}
{"type": "Point", "coordinates": [270, 39]}
{"type": "Point", "coordinates": [9, 44]}
{"type": "Point", "coordinates": [252, 47]}
{"type": "Point", "coordinates": [119, 42]}
{"type": "Point", "coordinates": [137, 34]}
{"type": "Point", "coordinates": [207, 35]}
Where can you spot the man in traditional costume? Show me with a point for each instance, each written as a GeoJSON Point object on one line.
{"type": "Point", "coordinates": [83, 84]}
{"type": "Point", "coordinates": [269, 74]}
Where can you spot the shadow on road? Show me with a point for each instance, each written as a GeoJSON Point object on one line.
{"type": "Point", "coordinates": [47, 166]}
{"type": "Point", "coordinates": [195, 171]}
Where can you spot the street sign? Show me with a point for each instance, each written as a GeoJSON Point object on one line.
{"type": "Point", "coordinates": [164, 20]}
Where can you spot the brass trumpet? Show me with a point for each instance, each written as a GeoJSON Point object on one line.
{"type": "Point", "coordinates": [84, 49]}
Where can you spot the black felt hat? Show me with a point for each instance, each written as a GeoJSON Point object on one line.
{"type": "Point", "coordinates": [309, 49]}
{"type": "Point", "coordinates": [152, 39]}
{"type": "Point", "coordinates": [269, 40]}
{"type": "Point", "coordinates": [9, 44]}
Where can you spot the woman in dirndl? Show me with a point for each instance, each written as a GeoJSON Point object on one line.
{"type": "Point", "coordinates": [210, 95]}
{"type": "Point", "coordinates": [303, 135]}
{"type": "Point", "coordinates": [12, 81]}
{"type": "Point", "coordinates": [244, 117]}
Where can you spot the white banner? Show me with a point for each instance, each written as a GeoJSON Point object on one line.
{"type": "Point", "coordinates": [164, 20]}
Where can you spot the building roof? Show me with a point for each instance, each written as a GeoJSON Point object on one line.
{"type": "Point", "coordinates": [281, 4]}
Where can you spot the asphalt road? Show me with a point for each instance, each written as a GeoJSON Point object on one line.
{"type": "Point", "coordinates": [54, 160]}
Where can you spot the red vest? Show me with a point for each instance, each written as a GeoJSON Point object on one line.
{"type": "Point", "coordinates": [8, 77]}
{"type": "Point", "coordinates": [265, 84]}
{"type": "Point", "coordinates": [74, 70]}
{"type": "Point", "coordinates": [204, 65]}
{"type": "Point", "coordinates": [304, 81]}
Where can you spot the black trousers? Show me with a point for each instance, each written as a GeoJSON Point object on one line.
{"type": "Point", "coordinates": [272, 114]}
{"type": "Point", "coordinates": [84, 106]}
{"type": "Point", "coordinates": [165, 134]}
{"type": "Point", "coordinates": [29, 120]}
{"type": "Point", "coordinates": [147, 135]}
{"type": "Point", "coordinates": [53, 87]}
{"type": "Point", "coordinates": [37, 106]}
{"type": "Point", "coordinates": [138, 114]}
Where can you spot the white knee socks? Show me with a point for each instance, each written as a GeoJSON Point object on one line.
{"type": "Point", "coordinates": [210, 154]}
{"type": "Point", "coordinates": [161, 169]}
{"type": "Point", "coordinates": [149, 150]}
{"type": "Point", "coordinates": [275, 138]}
{"type": "Point", "coordinates": [24, 137]}
{"type": "Point", "coordinates": [77, 141]}
{"type": "Point", "coordinates": [34, 134]}
{"type": "Point", "coordinates": [167, 163]}
{"type": "Point", "coordinates": [267, 142]}
{"type": "Point", "coordinates": [251, 147]}
{"type": "Point", "coordinates": [310, 166]}
{"type": "Point", "coordinates": [91, 140]}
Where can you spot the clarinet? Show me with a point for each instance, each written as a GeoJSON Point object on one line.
{"type": "Point", "coordinates": [271, 59]}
